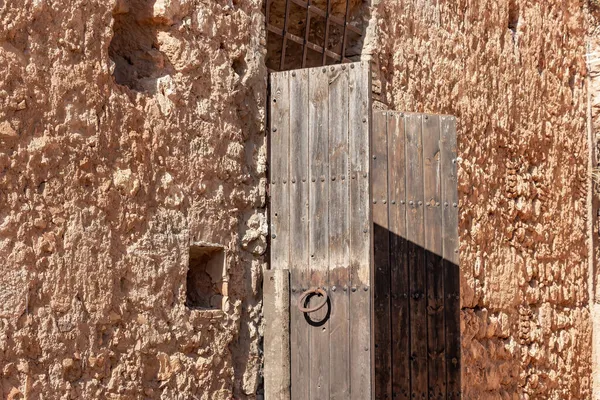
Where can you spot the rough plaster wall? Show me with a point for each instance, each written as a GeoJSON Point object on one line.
{"type": "Point", "coordinates": [104, 186]}
{"type": "Point", "coordinates": [513, 73]}
{"type": "Point", "coordinates": [592, 58]}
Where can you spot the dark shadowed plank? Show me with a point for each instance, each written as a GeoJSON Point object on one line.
{"type": "Point", "coordinates": [360, 231]}
{"type": "Point", "coordinates": [381, 243]}
{"type": "Point", "coordinates": [299, 224]}
{"type": "Point", "coordinates": [318, 106]}
{"type": "Point", "coordinates": [433, 244]}
{"type": "Point", "coordinates": [415, 236]}
{"type": "Point", "coordinates": [400, 347]}
{"type": "Point", "coordinates": [450, 253]}
{"type": "Point", "coordinates": [339, 240]}
{"type": "Point", "coordinates": [280, 127]}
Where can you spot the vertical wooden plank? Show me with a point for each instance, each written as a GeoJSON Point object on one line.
{"type": "Point", "coordinates": [279, 163]}
{"type": "Point", "coordinates": [436, 364]}
{"type": "Point", "coordinates": [318, 127]}
{"type": "Point", "coordinates": [450, 254]}
{"type": "Point", "coordinates": [299, 224]}
{"type": "Point", "coordinates": [279, 171]}
{"type": "Point", "coordinates": [415, 236]}
{"type": "Point", "coordinates": [339, 241]}
{"type": "Point", "coordinates": [381, 243]}
{"type": "Point", "coordinates": [359, 102]}
{"type": "Point", "coordinates": [398, 261]}
{"type": "Point", "coordinates": [276, 292]}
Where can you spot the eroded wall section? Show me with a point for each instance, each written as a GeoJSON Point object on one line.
{"type": "Point", "coordinates": [129, 131]}
{"type": "Point", "coordinates": [513, 72]}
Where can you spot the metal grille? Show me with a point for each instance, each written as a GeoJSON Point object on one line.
{"type": "Point", "coordinates": [311, 11]}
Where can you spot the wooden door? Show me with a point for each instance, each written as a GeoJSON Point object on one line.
{"type": "Point", "coordinates": [321, 226]}
{"type": "Point", "coordinates": [417, 286]}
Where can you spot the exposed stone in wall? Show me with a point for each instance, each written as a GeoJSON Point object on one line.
{"type": "Point", "coordinates": [128, 131]}
{"type": "Point", "coordinates": [513, 73]}
{"type": "Point", "coordinates": [136, 43]}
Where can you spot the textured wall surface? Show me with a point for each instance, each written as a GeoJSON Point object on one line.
{"type": "Point", "coordinates": [132, 128]}
{"type": "Point", "coordinates": [104, 183]}
{"type": "Point", "coordinates": [593, 61]}
{"type": "Point", "coordinates": [513, 73]}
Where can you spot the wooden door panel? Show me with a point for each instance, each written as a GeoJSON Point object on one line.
{"type": "Point", "coordinates": [417, 300]}
{"type": "Point", "coordinates": [321, 224]}
{"type": "Point", "coordinates": [364, 206]}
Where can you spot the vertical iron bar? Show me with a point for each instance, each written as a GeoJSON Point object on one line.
{"type": "Point", "coordinates": [306, 34]}
{"type": "Point", "coordinates": [267, 14]}
{"type": "Point", "coordinates": [284, 39]}
{"type": "Point", "coordinates": [326, 33]}
{"type": "Point", "coordinates": [345, 31]}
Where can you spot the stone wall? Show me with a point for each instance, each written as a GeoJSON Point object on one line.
{"type": "Point", "coordinates": [133, 129]}
{"type": "Point", "coordinates": [106, 181]}
{"type": "Point", "coordinates": [513, 72]}
{"type": "Point", "coordinates": [593, 51]}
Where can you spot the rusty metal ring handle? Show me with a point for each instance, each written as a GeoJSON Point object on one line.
{"type": "Point", "coordinates": [304, 296]}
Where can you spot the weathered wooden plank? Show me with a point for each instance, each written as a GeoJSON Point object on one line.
{"type": "Point", "coordinates": [299, 223]}
{"type": "Point", "coordinates": [415, 236]}
{"type": "Point", "coordinates": [318, 126]}
{"type": "Point", "coordinates": [360, 232]}
{"type": "Point", "coordinates": [381, 258]}
{"type": "Point", "coordinates": [276, 308]}
{"type": "Point", "coordinates": [398, 263]}
{"type": "Point", "coordinates": [339, 240]}
{"type": "Point", "coordinates": [450, 254]}
{"type": "Point", "coordinates": [433, 244]}
{"type": "Point", "coordinates": [450, 188]}
{"type": "Point", "coordinates": [279, 209]}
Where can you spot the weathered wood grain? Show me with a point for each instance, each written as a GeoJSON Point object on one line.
{"type": "Point", "coordinates": [400, 316]}
{"type": "Point", "coordinates": [450, 254]}
{"type": "Point", "coordinates": [318, 127]}
{"type": "Point", "coordinates": [360, 232]}
{"type": "Point", "coordinates": [276, 309]}
{"type": "Point", "coordinates": [415, 236]}
{"type": "Point", "coordinates": [381, 257]}
{"type": "Point", "coordinates": [436, 364]}
{"type": "Point", "coordinates": [279, 210]}
{"type": "Point", "coordinates": [322, 168]}
{"type": "Point", "coordinates": [299, 225]}
{"type": "Point", "coordinates": [339, 240]}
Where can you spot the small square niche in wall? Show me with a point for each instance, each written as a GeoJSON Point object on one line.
{"type": "Point", "coordinates": [206, 277]}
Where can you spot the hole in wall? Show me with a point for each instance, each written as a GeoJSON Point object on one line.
{"type": "Point", "coordinates": [513, 16]}
{"type": "Point", "coordinates": [134, 47]}
{"type": "Point", "coordinates": [239, 66]}
{"type": "Point", "coordinates": [206, 282]}
{"type": "Point", "coordinates": [572, 80]}
{"type": "Point", "coordinates": [541, 64]}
